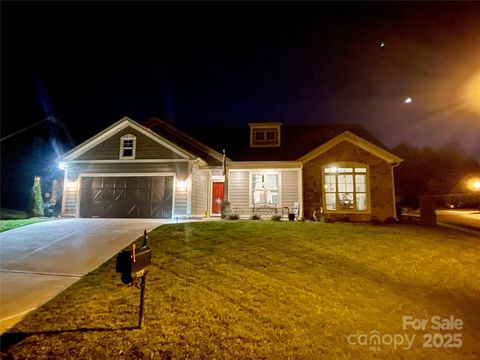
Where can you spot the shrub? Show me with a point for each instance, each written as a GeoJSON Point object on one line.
{"type": "Point", "coordinates": [391, 220]}
{"type": "Point", "coordinates": [232, 217]}
{"type": "Point", "coordinates": [255, 217]}
{"type": "Point", "coordinates": [276, 217]}
{"type": "Point", "coordinates": [36, 202]}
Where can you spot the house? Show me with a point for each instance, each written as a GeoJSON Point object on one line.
{"type": "Point", "coordinates": [155, 170]}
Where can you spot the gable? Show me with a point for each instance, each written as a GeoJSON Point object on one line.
{"type": "Point", "coordinates": [355, 141]}
{"type": "Point", "coordinates": [146, 148]}
{"type": "Point", "coordinates": [106, 144]}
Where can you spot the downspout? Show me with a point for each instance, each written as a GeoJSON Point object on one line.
{"type": "Point", "coordinates": [393, 191]}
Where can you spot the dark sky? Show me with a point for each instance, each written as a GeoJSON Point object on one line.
{"type": "Point", "coordinates": [204, 64]}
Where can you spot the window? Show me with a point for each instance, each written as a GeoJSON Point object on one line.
{"type": "Point", "coordinates": [127, 146]}
{"type": "Point", "coordinates": [265, 134]}
{"type": "Point", "coordinates": [345, 189]}
{"type": "Point", "coordinates": [265, 189]}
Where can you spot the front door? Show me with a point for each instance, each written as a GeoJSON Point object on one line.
{"type": "Point", "coordinates": [217, 197]}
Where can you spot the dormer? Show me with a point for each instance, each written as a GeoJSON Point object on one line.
{"type": "Point", "coordinates": [265, 134]}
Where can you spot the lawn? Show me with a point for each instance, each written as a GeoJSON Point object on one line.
{"type": "Point", "coordinates": [261, 289]}
{"type": "Point", "coordinates": [11, 219]}
{"type": "Point", "coordinates": [16, 223]}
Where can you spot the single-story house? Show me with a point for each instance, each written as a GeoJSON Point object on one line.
{"type": "Point", "coordinates": [155, 170]}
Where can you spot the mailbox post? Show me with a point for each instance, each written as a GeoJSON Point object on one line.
{"type": "Point", "coordinates": [132, 265]}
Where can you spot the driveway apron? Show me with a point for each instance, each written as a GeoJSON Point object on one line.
{"type": "Point", "coordinates": [39, 261]}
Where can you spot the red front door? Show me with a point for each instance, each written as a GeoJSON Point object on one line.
{"type": "Point", "coordinates": [217, 197]}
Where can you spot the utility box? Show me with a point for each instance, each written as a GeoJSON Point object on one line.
{"type": "Point", "coordinates": [132, 263]}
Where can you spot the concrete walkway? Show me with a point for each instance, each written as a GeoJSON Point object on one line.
{"type": "Point", "coordinates": [39, 261]}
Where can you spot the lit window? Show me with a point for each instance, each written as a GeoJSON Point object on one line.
{"type": "Point", "coordinates": [345, 188]}
{"type": "Point", "coordinates": [127, 146]}
{"type": "Point", "coordinates": [265, 189]}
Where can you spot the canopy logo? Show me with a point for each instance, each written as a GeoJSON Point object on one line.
{"type": "Point", "coordinates": [374, 340]}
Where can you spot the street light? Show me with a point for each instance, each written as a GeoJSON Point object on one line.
{"type": "Point", "coordinates": [474, 184]}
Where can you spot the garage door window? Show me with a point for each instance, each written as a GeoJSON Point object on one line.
{"type": "Point", "coordinates": [127, 146]}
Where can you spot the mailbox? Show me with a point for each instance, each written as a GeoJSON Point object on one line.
{"type": "Point", "coordinates": [132, 263]}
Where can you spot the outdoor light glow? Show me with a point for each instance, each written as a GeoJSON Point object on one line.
{"type": "Point", "coordinates": [408, 100]}
{"type": "Point", "coordinates": [182, 185]}
{"type": "Point", "coordinates": [474, 184]}
{"type": "Point", "coordinates": [62, 165]}
{"type": "Point", "coordinates": [472, 93]}
{"type": "Point", "coordinates": [71, 185]}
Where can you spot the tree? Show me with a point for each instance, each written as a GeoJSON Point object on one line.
{"type": "Point", "coordinates": [430, 171]}
{"type": "Point", "coordinates": [36, 201]}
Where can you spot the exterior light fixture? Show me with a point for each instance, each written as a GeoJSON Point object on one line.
{"type": "Point", "coordinates": [62, 165]}
{"type": "Point", "coordinates": [182, 185]}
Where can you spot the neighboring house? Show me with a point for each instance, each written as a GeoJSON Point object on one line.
{"type": "Point", "coordinates": [155, 170]}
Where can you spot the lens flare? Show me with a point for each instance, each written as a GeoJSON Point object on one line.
{"type": "Point", "coordinates": [472, 93]}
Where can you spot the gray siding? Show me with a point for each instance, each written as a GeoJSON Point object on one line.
{"type": "Point", "coordinates": [290, 188]}
{"type": "Point", "coordinates": [238, 189]}
{"type": "Point", "coordinates": [146, 148]}
{"type": "Point", "coordinates": [199, 192]}
{"type": "Point", "coordinates": [70, 202]}
{"type": "Point", "coordinates": [181, 202]}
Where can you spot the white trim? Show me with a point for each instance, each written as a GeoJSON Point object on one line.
{"type": "Point", "coordinates": [276, 127]}
{"type": "Point", "coordinates": [126, 161]}
{"type": "Point", "coordinates": [248, 165]}
{"type": "Point", "coordinates": [300, 193]}
{"type": "Point", "coordinates": [211, 197]}
{"type": "Point", "coordinates": [126, 175]}
{"type": "Point", "coordinates": [277, 172]}
{"type": "Point", "coordinates": [115, 128]}
{"type": "Point", "coordinates": [393, 192]}
{"type": "Point", "coordinates": [355, 140]}
{"type": "Point", "coordinates": [353, 165]}
{"type": "Point", "coordinates": [122, 146]}
{"type": "Point", "coordinates": [189, 181]}
{"type": "Point", "coordinates": [64, 191]}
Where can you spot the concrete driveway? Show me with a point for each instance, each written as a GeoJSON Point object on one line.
{"type": "Point", "coordinates": [39, 261]}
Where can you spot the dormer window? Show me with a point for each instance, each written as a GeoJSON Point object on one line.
{"type": "Point", "coordinates": [265, 134]}
{"type": "Point", "coordinates": [127, 146]}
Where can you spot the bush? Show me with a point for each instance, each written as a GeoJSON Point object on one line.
{"type": "Point", "coordinates": [36, 201]}
{"type": "Point", "coordinates": [254, 217]}
{"type": "Point", "coordinates": [276, 217]}
{"type": "Point", "coordinates": [232, 217]}
{"type": "Point", "coordinates": [391, 220]}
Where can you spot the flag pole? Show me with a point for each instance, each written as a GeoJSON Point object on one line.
{"type": "Point", "coordinates": [226, 203]}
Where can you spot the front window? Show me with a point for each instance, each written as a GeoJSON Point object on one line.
{"type": "Point", "coordinates": [265, 189]}
{"type": "Point", "coordinates": [127, 147]}
{"type": "Point", "coordinates": [345, 188]}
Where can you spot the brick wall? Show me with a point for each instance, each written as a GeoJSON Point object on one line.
{"type": "Point", "coordinates": [380, 175]}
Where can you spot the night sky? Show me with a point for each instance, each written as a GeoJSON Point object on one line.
{"type": "Point", "coordinates": [205, 64]}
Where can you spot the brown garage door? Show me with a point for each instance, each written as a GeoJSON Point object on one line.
{"type": "Point", "coordinates": [127, 197]}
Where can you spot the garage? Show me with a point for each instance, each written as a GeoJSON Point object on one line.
{"type": "Point", "coordinates": [127, 197]}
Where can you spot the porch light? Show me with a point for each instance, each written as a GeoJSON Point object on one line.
{"type": "Point", "coordinates": [62, 165]}
{"type": "Point", "coordinates": [182, 185]}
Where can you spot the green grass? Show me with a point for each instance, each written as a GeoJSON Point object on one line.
{"type": "Point", "coordinates": [263, 289]}
{"type": "Point", "coordinates": [12, 224]}
{"type": "Point", "coordinates": [8, 214]}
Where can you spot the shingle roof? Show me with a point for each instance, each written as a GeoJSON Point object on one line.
{"type": "Point", "coordinates": [296, 141]}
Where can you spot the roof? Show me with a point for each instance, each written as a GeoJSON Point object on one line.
{"type": "Point", "coordinates": [296, 141]}
{"type": "Point", "coordinates": [187, 142]}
